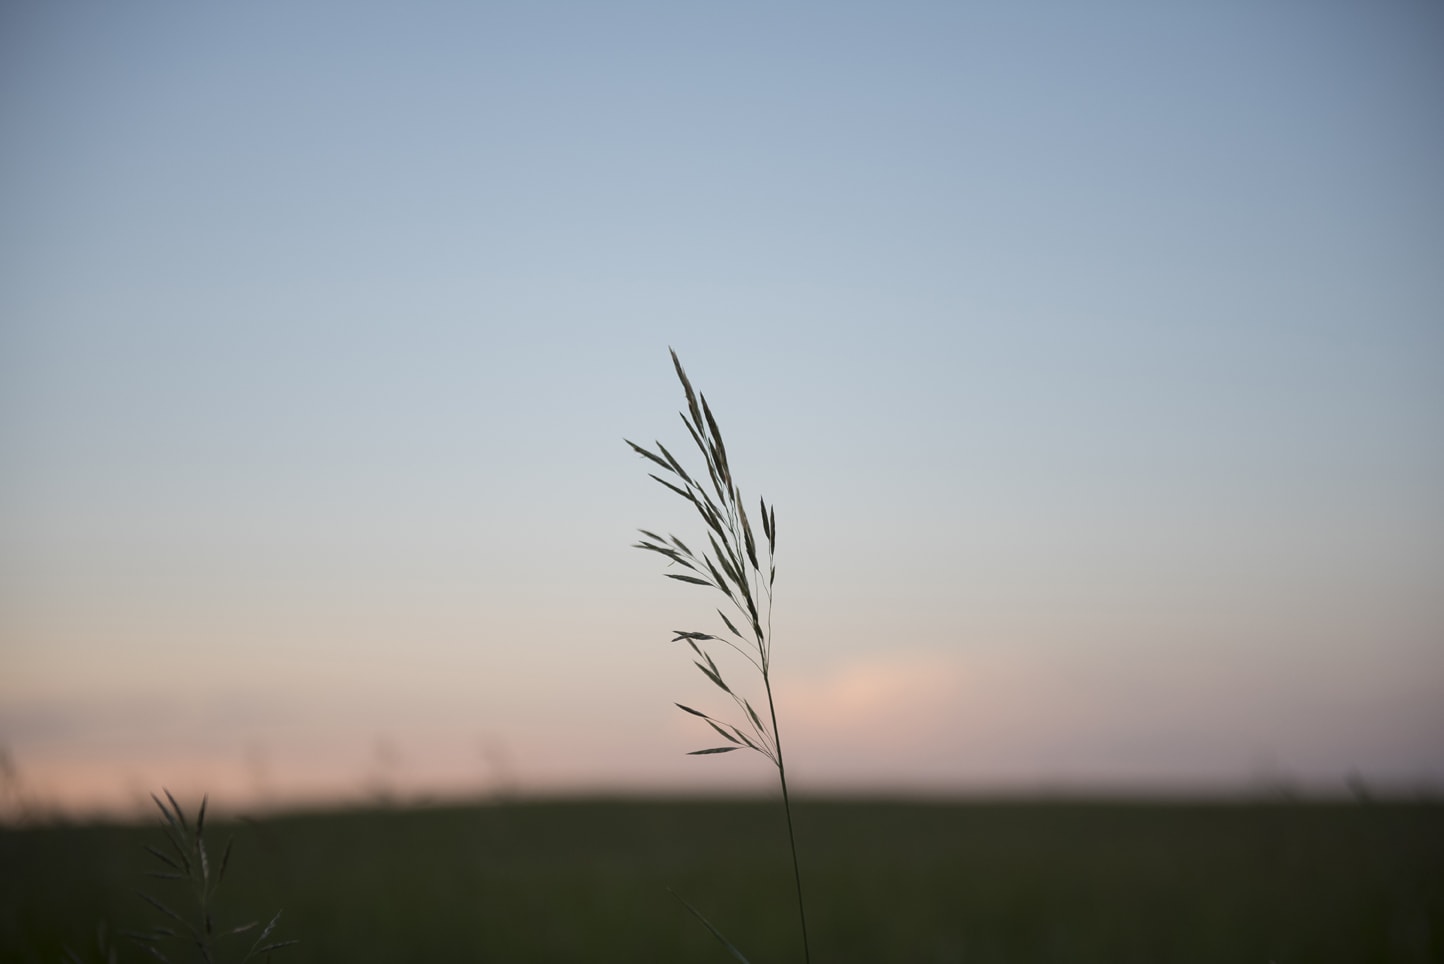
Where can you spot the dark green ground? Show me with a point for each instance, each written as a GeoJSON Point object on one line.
{"type": "Point", "coordinates": [586, 881]}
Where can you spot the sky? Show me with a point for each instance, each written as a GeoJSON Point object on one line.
{"type": "Point", "coordinates": [1092, 355]}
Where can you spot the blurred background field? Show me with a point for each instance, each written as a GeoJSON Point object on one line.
{"type": "Point", "coordinates": [587, 880]}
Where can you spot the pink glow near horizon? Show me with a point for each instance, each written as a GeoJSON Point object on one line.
{"type": "Point", "coordinates": [913, 723]}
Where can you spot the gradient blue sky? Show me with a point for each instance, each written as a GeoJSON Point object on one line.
{"type": "Point", "coordinates": [1092, 354]}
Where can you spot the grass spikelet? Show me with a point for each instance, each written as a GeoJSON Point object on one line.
{"type": "Point", "coordinates": [190, 868]}
{"type": "Point", "coordinates": [735, 569]}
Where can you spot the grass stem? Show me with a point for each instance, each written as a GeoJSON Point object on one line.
{"type": "Point", "coordinates": [791, 835]}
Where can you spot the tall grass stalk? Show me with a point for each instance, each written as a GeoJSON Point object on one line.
{"type": "Point", "coordinates": [188, 864]}
{"type": "Point", "coordinates": [733, 568]}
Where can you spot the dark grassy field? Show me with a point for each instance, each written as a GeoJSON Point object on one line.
{"type": "Point", "coordinates": [910, 882]}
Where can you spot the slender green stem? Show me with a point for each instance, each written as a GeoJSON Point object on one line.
{"type": "Point", "coordinates": [787, 808]}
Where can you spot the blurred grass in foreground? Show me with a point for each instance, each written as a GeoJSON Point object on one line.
{"type": "Point", "coordinates": [586, 881]}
